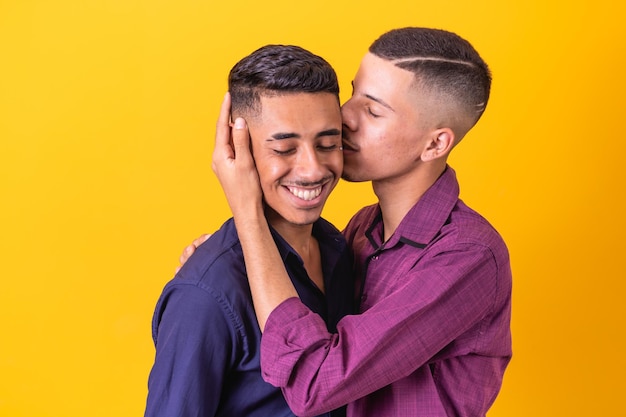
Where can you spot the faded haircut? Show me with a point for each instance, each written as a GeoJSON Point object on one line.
{"type": "Point", "coordinates": [278, 69]}
{"type": "Point", "coordinates": [442, 62]}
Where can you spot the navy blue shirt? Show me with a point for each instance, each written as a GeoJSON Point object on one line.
{"type": "Point", "coordinates": [207, 336]}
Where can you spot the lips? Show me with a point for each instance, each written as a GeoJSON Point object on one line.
{"type": "Point", "coordinates": [347, 146]}
{"type": "Point", "coordinates": [345, 141]}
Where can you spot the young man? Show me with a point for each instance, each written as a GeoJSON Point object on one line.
{"type": "Point", "coordinates": [206, 334]}
{"type": "Point", "coordinates": [433, 334]}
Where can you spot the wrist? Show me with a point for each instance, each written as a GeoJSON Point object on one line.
{"type": "Point", "coordinates": [251, 212]}
{"type": "Point", "coordinates": [251, 219]}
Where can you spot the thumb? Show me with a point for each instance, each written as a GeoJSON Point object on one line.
{"type": "Point", "coordinates": [241, 141]}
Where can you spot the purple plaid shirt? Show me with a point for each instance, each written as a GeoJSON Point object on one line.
{"type": "Point", "coordinates": [433, 337]}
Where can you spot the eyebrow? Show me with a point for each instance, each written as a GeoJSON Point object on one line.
{"type": "Point", "coordinates": [292, 135]}
{"type": "Point", "coordinates": [285, 135]}
{"type": "Point", "coordinates": [376, 99]}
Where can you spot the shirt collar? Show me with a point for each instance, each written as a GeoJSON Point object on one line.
{"type": "Point", "coordinates": [426, 218]}
{"type": "Point", "coordinates": [325, 233]}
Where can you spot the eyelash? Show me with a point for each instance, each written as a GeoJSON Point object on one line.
{"type": "Point", "coordinates": [290, 151]}
{"type": "Point", "coordinates": [374, 115]}
{"type": "Point", "coordinates": [327, 148]}
{"type": "Point", "coordinates": [283, 153]}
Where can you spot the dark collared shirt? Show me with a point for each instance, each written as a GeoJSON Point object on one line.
{"type": "Point", "coordinates": [433, 337]}
{"type": "Point", "coordinates": [207, 336]}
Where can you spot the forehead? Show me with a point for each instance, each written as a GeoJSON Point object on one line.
{"type": "Point", "coordinates": [382, 78]}
{"type": "Point", "coordinates": [302, 113]}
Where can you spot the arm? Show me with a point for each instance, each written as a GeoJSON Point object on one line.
{"type": "Point", "coordinates": [406, 329]}
{"type": "Point", "coordinates": [234, 166]}
{"type": "Point", "coordinates": [193, 345]}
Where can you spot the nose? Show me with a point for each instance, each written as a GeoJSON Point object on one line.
{"type": "Point", "coordinates": [347, 116]}
{"type": "Point", "coordinates": [310, 167]}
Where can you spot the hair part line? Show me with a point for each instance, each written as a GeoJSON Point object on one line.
{"type": "Point", "coordinates": [428, 58]}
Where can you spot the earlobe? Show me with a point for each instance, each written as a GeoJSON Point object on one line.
{"type": "Point", "coordinates": [440, 145]}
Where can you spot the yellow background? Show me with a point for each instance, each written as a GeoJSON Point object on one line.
{"type": "Point", "coordinates": [107, 112]}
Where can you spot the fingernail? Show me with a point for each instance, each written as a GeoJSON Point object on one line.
{"type": "Point", "coordinates": [240, 123]}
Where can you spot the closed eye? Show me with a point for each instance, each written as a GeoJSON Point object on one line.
{"type": "Point", "coordinates": [327, 148]}
{"type": "Point", "coordinates": [371, 113]}
{"type": "Point", "coordinates": [285, 152]}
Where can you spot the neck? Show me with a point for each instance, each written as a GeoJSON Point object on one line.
{"type": "Point", "coordinates": [396, 196]}
{"type": "Point", "coordinates": [298, 236]}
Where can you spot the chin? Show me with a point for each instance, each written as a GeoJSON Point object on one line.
{"type": "Point", "coordinates": [352, 177]}
{"type": "Point", "coordinates": [303, 220]}
{"type": "Point", "coordinates": [350, 173]}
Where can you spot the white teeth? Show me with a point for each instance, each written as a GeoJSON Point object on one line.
{"type": "Point", "coordinates": [305, 194]}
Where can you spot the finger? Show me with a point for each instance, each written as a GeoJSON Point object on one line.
{"type": "Point", "coordinates": [201, 239]}
{"type": "Point", "coordinates": [222, 130]}
{"type": "Point", "coordinates": [241, 142]}
{"type": "Point", "coordinates": [187, 252]}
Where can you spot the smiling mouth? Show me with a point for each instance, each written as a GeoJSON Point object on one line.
{"type": "Point", "coordinates": [306, 194]}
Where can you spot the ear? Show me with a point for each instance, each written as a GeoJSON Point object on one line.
{"type": "Point", "coordinates": [440, 144]}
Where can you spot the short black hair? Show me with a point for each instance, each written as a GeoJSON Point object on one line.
{"type": "Point", "coordinates": [277, 69]}
{"type": "Point", "coordinates": [442, 61]}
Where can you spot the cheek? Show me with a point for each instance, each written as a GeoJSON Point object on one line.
{"type": "Point", "coordinates": [271, 170]}
{"type": "Point", "coordinates": [375, 142]}
{"type": "Point", "coordinates": [389, 139]}
{"type": "Point", "coordinates": [334, 163]}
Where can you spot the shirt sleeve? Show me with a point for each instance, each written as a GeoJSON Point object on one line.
{"type": "Point", "coordinates": [193, 348]}
{"type": "Point", "coordinates": [437, 301]}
